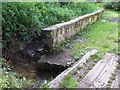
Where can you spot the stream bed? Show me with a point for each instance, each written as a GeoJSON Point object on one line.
{"type": "Point", "coordinates": [39, 72]}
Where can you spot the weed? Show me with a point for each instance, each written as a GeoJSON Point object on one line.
{"type": "Point", "coordinates": [88, 60]}
{"type": "Point", "coordinates": [108, 85]}
{"type": "Point", "coordinates": [79, 67]}
{"type": "Point", "coordinates": [86, 72]}
{"type": "Point", "coordinates": [114, 74]}
{"type": "Point", "coordinates": [91, 65]}
{"type": "Point", "coordinates": [81, 76]}
{"type": "Point", "coordinates": [110, 82]}
{"type": "Point", "coordinates": [118, 65]}
{"type": "Point", "coordinates": [68, 82]}
{"type": "Point", "coordinates": [95, 60]}
{"type": "Point", "coordinates": [73, 72]}
{"type": "Point", "coordinates": [111, 79]}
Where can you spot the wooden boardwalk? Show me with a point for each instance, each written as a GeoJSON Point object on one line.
{"type": "Point", "coordinates": [55, 82]}
{"type": "Point", "coordinates": [100, 74]}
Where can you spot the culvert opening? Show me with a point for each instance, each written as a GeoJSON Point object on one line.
{"type": "Point", "coordinates": [22, 63]}
{"type": "Point", "coordinates": [39, 72]}
{"type": "Point", "coordinates": [52, 69]}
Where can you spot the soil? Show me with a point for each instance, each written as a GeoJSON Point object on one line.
{"type": "Point", "coordinates": [25, 62]}
{"type": "Point", "coordinates": [63, 58]}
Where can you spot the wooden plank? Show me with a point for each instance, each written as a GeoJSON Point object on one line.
{"type": "Point", "coordinates": [103, 78]}
{"type": "Point", "coordinates": [55, 82]}
{"type": "Point", "coordinates": [95, 71]}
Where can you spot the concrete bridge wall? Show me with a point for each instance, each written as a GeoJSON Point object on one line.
{"type": "Point", "coordinates": [54, 35]}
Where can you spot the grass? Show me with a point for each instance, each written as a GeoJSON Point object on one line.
{"type": "Point", "coordinates": [118, 65]}
{"type": "Point", "coordinates": [79, 67]}
{"type": "Point", "coordinates": [68, 82]}
{"type": "Point", "coordinates": [91, 65]}
{"type": "Point", "coordinates": [80, 78]}
{"type": "Point", "coordinates": [73, 72]}
{"type": "Point", "coordinates": [88, 60]}
{"type": "Point", "coordinates": [109, 83]}
{"type": "Point", "coordinates": [101, 35]}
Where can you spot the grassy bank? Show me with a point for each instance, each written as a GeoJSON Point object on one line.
{"type": "Point", "coordinates": [102, 35]}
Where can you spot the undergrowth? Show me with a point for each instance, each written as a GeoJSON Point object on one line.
{"type": "Point", "coordinates": [10, 79]}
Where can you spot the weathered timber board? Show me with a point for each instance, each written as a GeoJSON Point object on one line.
{"type": "Point", "coordinates": [55, 82]}
{"type": "Point", "coordinates": [95, 71]}
{"type": "Point", "coordinates": [102, 80]}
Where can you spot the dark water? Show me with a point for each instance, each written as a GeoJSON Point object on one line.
{"type": "Point", "coordinates": [22, 63]}
{"type": "Point", "coordinates": [40, 73]}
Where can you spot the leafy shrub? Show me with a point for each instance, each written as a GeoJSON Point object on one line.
{"type": "Point", "coordinates": [20, 21]}
{"type": "Point", "coordinates": [10, 79]}
{"type": "Point", "coordinates": [112, 5]}
{"type": "Point", "coordinates": [23, 21]}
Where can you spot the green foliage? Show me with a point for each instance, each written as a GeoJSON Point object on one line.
{"type": "Point", "coordinates": [19, 22]}
{"type": "Point", "coordinates": [24, 20]}
{"type": "Point", "coordinates": [10, 79]}
{"type": "Point", "coordinates": [79, 67]}
{"type": "Point", "coordinates": [68, 82]}
{"type": "Point", "coordinates": [88, 60]}
{"type": "Point", "coordinates": [112, 5]}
